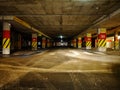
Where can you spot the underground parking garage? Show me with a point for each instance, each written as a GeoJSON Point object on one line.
{"type": "Point", "coordinates": [59, 44]}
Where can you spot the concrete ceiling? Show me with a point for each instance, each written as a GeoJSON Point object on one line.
{"type": "Point", "coordinates": [60, 17]}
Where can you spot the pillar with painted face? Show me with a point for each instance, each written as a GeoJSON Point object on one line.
{"type": "Point", "coordinates": [88, 41]}
{"type": "Point", "coordinates": [48, 43]}
{"type": "Point", "coordinates": [43, 42]}
{"type": "Point", "coordinates": [79, 42]}
{"type": "Point", "coordinates": [6, 38]}
{"type": "Point", "coordinates": [102, 39]}
{"type": "Point", "coordinates": [116, 41]}
{"type": "Point", "coordinates": [34, 41]}
{"type": "Point", "coordinates": [74, 43]}
{"type": "Point", "coordinates": [96, 43]}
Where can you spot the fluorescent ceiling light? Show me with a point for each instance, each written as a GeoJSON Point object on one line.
{"type": "Point", "coordinates": [61, 36]}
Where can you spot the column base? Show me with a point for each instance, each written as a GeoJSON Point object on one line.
{"type": "Point", "coordinates": [79, 47]}
{"type": "Point", "coordinates": [88, 47]}
{"type": "Point", "coordinates": [43, 46]}
{"type": "Point", "coordinates": [6, 51]}
{"type": "Point", "coordinates": [116, 48]}
{"type": "Point", "coordinates": [102, 49]}
{"type": "Point", "coordinates": [34, 49]}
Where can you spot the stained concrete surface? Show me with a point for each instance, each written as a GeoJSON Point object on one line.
{"type": "Point", "coordinates": [61, 69]}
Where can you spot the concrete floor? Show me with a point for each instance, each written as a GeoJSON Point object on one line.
{"type": "Point", "coordinates": [60, 69]}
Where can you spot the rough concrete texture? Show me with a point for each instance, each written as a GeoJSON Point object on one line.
{"type": "Point", "coordinates": [56, 69]}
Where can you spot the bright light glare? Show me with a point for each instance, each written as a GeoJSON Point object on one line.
{"type": "Point", "coordinates": [9, 24]}
{"type": "Point", "coordinates": [118, 37]}
{"type": "Point", "coordinates": [52, 54]}
{"type": "Point", "coordinates": [88, 53]}
{"type": "Point", "coordinates": [72, 54]}
{"type": "Point", "coordinates": [76, 53]}
{"type": "Point", "coordinates": [61, 36]}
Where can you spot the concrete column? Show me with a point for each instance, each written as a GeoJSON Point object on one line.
{"type": "Point", "coordinates": [71, 43]}
{"type": "Point", "coordinates": [48, 43]}
{"type": "Point", "coordinates": [88, 41]}
{"type": "Point", "coordinates": [79, 42]}
{"type": "Point", "coordinates": [96, 43]}
{"type": "Point", "coordinates": [102, 39]}
{"type": "Point", "coordinates": [43, 42]}
{"type": "Point", "coordinates": [34, 41]}
{"type": "Point", "coordinates": [74, 43]}
{"type": "Point", "coordinates": [6, 38]}
{"type": "Point", "coordinates": [116, 41]}
{"type": "Point", "coordinates": [54, 44]}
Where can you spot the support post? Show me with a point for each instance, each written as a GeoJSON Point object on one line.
{"type": "Point", "coordinates": [34, 41]}
{"type": "Point", "coordinates": [116, 41]}
{"type": "Point", "coordinates": [79, 42]}
{"type": "Point", "coordinates": [88, 41]}
{"type": "Point", "coordinates": [6, 38]}
{"type": "Point", "coordinates": [43, 42]}
{"type": "Point", "coordinates": [74, 43]}
{"type": "Point", "coordinates": [102, 39]}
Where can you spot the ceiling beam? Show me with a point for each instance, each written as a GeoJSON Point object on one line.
{"type": "Point", "coordinates": [29, 26]}
{"type": "Point", "coordinates": [99, 21]}
{"type": "Point", "coordinates": [117, 29]}
{"type": "Point", "coordinates": [38, 15]}
{"type": "Point", "coordinates": [112, 31]}
{"type": "Point", "coordinates": [14, 18]}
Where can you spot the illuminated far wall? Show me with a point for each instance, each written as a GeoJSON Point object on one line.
{"type": "Point", "coordinates": [61, 43]}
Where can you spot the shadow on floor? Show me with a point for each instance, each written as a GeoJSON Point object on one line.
{"type": "Point", "coordinates": [65, 81]}
{"type": "Point", "coordinates": [116, 69]}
